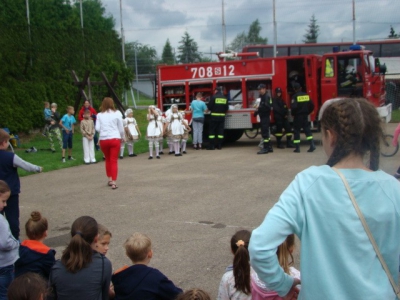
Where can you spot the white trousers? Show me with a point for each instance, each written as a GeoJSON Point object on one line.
{"type": "Point", "coordinates": [88, 150]}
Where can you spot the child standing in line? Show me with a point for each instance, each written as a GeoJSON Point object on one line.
{"type": "Point", "coordinates": [67, 124]}
{"type": "Point", "coordinates": [34, 256]}
{"type": "Point", "coordinates": [161, 118]}
{"type": "Point", "coordinates": [47, 118]}
{"type": "Point", "coordinates": [174, 127]}
{"type": "Point", "coordinates": [132, 133]}
{"type": "Point", "coordinates": [236, 282]}
{"type": "Point", "coordinates": [186, 130]}
{"type": "Point", "coordinates": [88, 132]}
{"type": "Point", "coordinates": [9, 162]}
{"type": "Point", "coordinates": [154, 131]}
{"type": "Point", "coordinates": [140, 281]}
{"type": "Point", "coordinates": [8, 246]}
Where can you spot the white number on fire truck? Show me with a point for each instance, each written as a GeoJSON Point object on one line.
{"type": "Point", "coordinates": [202, 72]}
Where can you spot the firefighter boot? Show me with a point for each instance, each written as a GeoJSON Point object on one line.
{"type": "Point", "coordinates": [270, 149]}
{"type": "Point", "coordinates": [297, 146]}
{"type": "Point", "coordinates": [312, 146]}
{"type": "Point", "coordinates": [211, 145]}
{"type": "Point", "coordinates": [264, 149]}
{"type": "Point", "coordinates": [289, 143]}
{"type": "Point", "coordinates": [279, 143]}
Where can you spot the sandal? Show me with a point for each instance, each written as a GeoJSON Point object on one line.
{"type": "Point", "coordinates": [110, 183]}
{"type": "Point", "coordinates": [114, 186]}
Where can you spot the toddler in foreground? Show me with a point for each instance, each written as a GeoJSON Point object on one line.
{"type": "Point", "coordinates": [140, 281]}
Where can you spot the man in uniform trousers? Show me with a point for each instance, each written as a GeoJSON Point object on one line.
{"type": "Point", "coordinates": [280, 111]}
{"type": "Point", "coordinates": [218, 106]}
{"type": "Point", "coordinates": [301, 106]}
{"type": "Point", "coordinates": [264, 112]}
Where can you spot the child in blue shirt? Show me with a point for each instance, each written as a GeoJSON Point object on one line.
{"type": "Point", "coordinates": [67, 124]}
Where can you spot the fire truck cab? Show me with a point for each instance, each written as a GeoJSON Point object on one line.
{"type": "Point", "coordinates": [337, 74]}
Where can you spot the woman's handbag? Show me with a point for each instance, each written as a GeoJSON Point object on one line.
{"type": "Point", "coordinates": [366, 228]}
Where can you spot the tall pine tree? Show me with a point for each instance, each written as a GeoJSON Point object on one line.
{"type": "Point", "coordinates": [188, 50]}
{"type": "Point", "coordinates": [167, 56]}
{"type": "Point", "coordinates": [252, 37]}
{"type": "Point", "coordinates": [312, 32]}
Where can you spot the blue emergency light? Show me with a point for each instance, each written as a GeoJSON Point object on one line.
{"type": "Point", "coordinates": [356, 48]}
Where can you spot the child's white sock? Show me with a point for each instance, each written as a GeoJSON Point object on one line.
{"type": "Point", "coordinates": [122, 149]}
{"type": "Point", "coordinates": [130, 148]}
{"type": "Point", "coordinates": [161, 145]}
{"type": "Point", "coordinates": [171, 146]}
{"type": "Point", "coordinates": [176, 146]}
{"type": "Point", "coordinates": [183, 145]}
{"type": "Point", "coordinates": [151, 148]}
{"type": "Point", "coordinates": [157, 148]}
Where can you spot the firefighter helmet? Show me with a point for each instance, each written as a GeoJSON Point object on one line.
{"type": "Point", "coordinates": [278, 90]}
{"type": "Point", "coordinates": [350, 69]}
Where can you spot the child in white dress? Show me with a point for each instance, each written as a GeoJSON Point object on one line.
{"type": "Point", "coordinates": [154, 131]}
{"type": "Point", "coordinates": [132, 133]}
{"type": "Point", "coordinates": [161, 118]}
{"type": "Point", "coordinates": [175, 129]}
{"type": "Point", "coordinates": [186, 130]}
{"type": "Point", "coordinates": [170, 143]}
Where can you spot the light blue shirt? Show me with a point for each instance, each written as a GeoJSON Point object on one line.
{"type": "Point", "coordinates": [198, 108]}
{"type": "Point", "coordinates": [68, 121]}
{"type": "Point", "coordinates": [337, 258]}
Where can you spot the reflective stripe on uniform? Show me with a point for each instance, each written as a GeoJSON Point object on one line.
{"type": "Point", "coordinates": [304, 98]}
{"type": "Point", "coordinates": [218, 115]}
{"type": "Point", "coordinates": [211, 136]}
{"type": "Point", "coordinates": [266, 140]}
{"type": "Point", "coordinates": [278, 134]}
{"type": "Point", "coordinates": [289, 134]}
{"type": "Point", "coordinates": [296, 142]}
{"type": "Point", "coordinates": [309, 138]}
{"type": "Point", "coordinates": [220, 136]}
{"type": "Point", "coordinates": [220, 101]}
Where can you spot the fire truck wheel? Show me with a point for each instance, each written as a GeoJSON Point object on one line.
{"type": "Point", "coordinates": [232, 135]}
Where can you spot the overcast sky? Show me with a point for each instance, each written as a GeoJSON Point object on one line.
{"type": "Point", "coordinates": [151, 22]}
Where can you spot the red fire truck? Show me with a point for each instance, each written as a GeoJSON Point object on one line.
{"type": "Point", "coordinates": [322, 77]}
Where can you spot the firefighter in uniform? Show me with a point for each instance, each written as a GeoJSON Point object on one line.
{"type": "Point", "coordinates": [280, 112]}
{"type": "Point", "coordinates": [264, 112]}
{"type": "Point", "coordinates": [301, 106]}
{"type": "Point", "coordinates": [218, 106]}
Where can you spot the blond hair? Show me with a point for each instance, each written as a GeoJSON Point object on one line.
{"type": "Point", "coordinates": [4, 136]}
{"type": "Point", "coordinates": [103, 231]}
{"type": "Point", "coordinates": [137, 247]}
{"type": "Point", "coordinates": [284, 253]}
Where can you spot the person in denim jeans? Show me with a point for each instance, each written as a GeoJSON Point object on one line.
{"type": "Point", "coordinates": [198, 107]}
{"type": "Point", "coordinates": [8, 245]}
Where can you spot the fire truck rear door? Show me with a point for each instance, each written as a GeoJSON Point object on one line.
{"type": "Point", "coordinates": [328, 78]}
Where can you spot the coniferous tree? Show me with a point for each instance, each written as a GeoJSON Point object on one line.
{"type": "Point", "coordinates": [252, 37]}
{"type": "Point", "coordinates": [167, 56]}
{"type": "Point", "coordinates": [188, 50]}
{"type": "Point", "coordinates": [312, 32]}
{"type": "Point", "coordinates": [393, 33]}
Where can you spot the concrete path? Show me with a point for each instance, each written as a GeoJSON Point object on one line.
{"type": "Point", "coordinates": [190, 206]}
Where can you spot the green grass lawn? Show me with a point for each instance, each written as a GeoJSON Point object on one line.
{"type": "Point", "coordinates": [395, 116]}
{"type": "Point", "coordinates": [143, 100]}
{"type": "Point", "coordinates": [52, 161]}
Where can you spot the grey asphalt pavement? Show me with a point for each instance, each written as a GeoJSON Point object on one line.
{"type": "Point", "coordinates": [190, 206]}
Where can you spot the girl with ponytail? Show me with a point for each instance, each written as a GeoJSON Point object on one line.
{"type": "Point", "coordinates": [338, 260]}
{"type": "Point", "coordinates": [82, 272]}
{"type": "Point", "coordinates": [235, 283]}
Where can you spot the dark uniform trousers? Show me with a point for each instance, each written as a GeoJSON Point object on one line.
{"type": "Point", "coordinates": [216, 130]}
{"type": "Point", "coordinates": [301, 121]}
{"type": "Point", "coordinates": [282, 123]}
{"type": "Point", "coordinates": [264, 124]}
